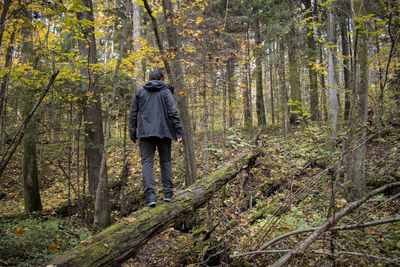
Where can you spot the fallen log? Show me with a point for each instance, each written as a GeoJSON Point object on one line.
{"type": "Point", "coordinates": [123, 240]}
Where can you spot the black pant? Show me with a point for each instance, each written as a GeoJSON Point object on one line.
{"type": "Point", "coordinates": [147, 149]}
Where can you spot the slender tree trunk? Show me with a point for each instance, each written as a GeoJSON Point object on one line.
{"type": "Point", "coordinates": [182, 100]}
{"type": "Point", "coordinates": [332, 87]}
{"type": "Point", "coordinates": [355, 163]}
{"type": "Point", "coordinates": [94, 140]}
{"type": "Point", "coordinates": [247, 90]}
{"type": "Point", "coordinates": [271, 77]}
{"type": "Point", "coordinates": [6, 6]}
{"type": "Point", "coordinates": [312, 58]}
{"type": "Point", "coordinates": [230, 69]}
{"type": "Point", "coordinates": [314, 97]}
{"type": "Point", "coordinates": [3, 87]}
{"type": "Point", "coordinates": [294, 77]}
{"type": "Point", "coordinates": [324, 111]}
{"type": "Point", "coordinates": [283, 90]}
{"type": "Point", "coordinates": [258, 71]}
{"type": "Point", "coordinates": [102, 217]}
{"type": "Point", "coordinates": [136, 37]}
{"type": "Point", "coordinates": [29, 165]}
{"type": "Point", "coordinates": [346, 61]}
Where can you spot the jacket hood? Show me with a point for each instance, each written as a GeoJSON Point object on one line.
{"type": "Point", "coordinates": [155, 85]}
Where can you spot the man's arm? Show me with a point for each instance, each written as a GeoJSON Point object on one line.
{"type": "Point", "coordinates": [173, 115]}
{"type": "Point", "coordinates": [133, 119]}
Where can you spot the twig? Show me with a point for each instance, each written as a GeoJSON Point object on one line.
{"type": "Point", "coordinates": [301, 248]}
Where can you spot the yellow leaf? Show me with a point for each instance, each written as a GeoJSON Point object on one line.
{"type": "Point", "coordinates": [53, 247]}
{"type": "Point", "coordinates": [19, 231]}
{"type": "Point", "coordinates": [199, 19]}
{"type": "Point", "coordinates": [182, 93]}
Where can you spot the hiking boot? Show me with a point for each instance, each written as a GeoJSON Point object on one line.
{"type": "Point", "coordinates": [151, 203]}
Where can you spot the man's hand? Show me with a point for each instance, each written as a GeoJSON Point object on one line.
{"type": "Point", "coordinates": [178, 139]}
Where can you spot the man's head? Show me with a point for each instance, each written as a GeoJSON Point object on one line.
{"type": "Point", "coordinates": [156, 75]}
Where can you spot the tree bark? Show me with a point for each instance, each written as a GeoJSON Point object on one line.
{"type": "Point", "coordinates": [283, 90]}
{"type": "Point", "coordinates": [102, 217]}
{"type": "Point", "coordinates": [123, 240]}
{"type": "Point", "coordinates": [294, 77]}
{"type": "Point", "coordinates": [230, 70]}
{"type": "Point", "coordinates": [29, 164]}
{"type": "Point", "coordinates": [332, 86]}
{"type": "Point", "coordinates": [346, 53]}
{"type": "Point", "coordinates": [4, 12]}
{"type": "Point", "coordinates": [94, 140]}
{"type": "Point", "coordinates": [3, 87]}
{"type": "Point", "coordinates": [247, 89]}
{"type": "Point", "coordinates": [258, 72]}
{"type": "Point", "coordinates": [271, 77]}
{"type": "Point", "coordinates": [182, 99]}
{"type": "Point", "coordinates": [355, 162]}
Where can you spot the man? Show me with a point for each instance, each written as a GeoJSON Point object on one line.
{"type": "Point", "coordinates": [154, 120]}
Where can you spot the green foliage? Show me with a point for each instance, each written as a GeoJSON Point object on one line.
{"type": "Point", "coordinates": [235, 138]}
{"type": "Point", "coordinates": [32, 241]}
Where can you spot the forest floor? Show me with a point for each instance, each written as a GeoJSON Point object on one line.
{"type": "Point", "coordinates": [287, 189]}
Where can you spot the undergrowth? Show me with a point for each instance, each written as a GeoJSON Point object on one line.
{"type": "Point", "coordinates": [260, 204]}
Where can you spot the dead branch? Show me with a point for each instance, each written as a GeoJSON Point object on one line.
{"type": "Point", "coordinates": [20, 133]}
{"type": "Point", "coordinates": [337, 254]}
{"type": "Point", "coordinates": [311, 229]}
{"type": "Point", "coordinates": [301, 248]}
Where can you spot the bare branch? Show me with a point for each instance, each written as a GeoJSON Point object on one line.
{"type": "Point", "coordinates": [20, 133]}
{"type": "Point", "coordinates": [337, 254]}
{"type": "Point", "coordinates": [302, 247]}
{"type": "Point", "coordinates": [311, 229]}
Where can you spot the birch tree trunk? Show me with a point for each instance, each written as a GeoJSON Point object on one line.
{"type": "Point", "coordinates": [332, 87]}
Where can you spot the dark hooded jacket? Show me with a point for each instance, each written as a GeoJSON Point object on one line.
{"type": "Point", "coordinates": [153, 112]}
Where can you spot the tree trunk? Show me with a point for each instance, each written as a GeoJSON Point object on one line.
{"type": "Point", "coordinates": [346, 61]}
{"type": "Point", "coordinates": [230, 70]}
{"type": "Point", "coordinates": [332, 87]}
{"type": "Point", "coordinates": [123, 240]}
{"type": "Point", "coordinates": [294, 77]}
{"type": "Point", "coordinates": [136, 37]}
{"type": "Point", "coordinates": [314, 98]}
{"type": "Point", "coordinates": [312, 58]}
{"type": "Point", "coordinates": [29, 165]}
{"type": "Point", "coordinates": [283, 90]}
{"type": "Point", "coordinates": [102, 216]}
{"type": "Point", "coordinates": [355, 163]}
{"type": "Point", "coordinates": [94, 140]}
{"type": "Point", "coordinates": [258, 71]}
{"type": "Point", "coordinates": [4, 12]}
{"type": "Point", "coordinates": [3, 87]}
{"type": "Point", "coordinates": [247, 89]}
{"type": "Point", "coordinates": [271, 70]}
{"type": "Point", "coordinates": [182, 99]}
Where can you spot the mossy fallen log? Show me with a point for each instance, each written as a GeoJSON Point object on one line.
{"type": "Point", "coordinates": [123, 240]}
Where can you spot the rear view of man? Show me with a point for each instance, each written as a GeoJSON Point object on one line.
{"type": "Point", "coordinates": [154, 120]}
